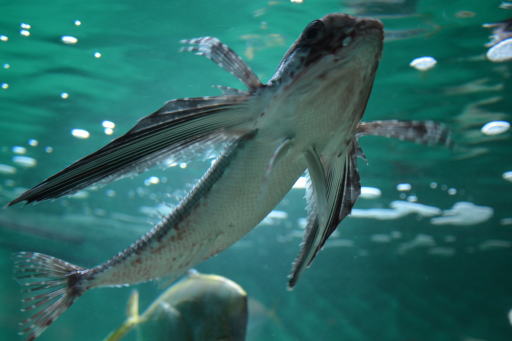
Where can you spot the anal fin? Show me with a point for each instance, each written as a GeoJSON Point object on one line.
{"type": "Point", "coordinates": [336, 188]}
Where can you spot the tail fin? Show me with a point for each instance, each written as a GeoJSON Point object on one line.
{"type": "Point", "coordinates": [50, 286]}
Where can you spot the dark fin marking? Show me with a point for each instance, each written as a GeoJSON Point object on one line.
{"type": "Point", "coordinates": [360, 153]}
{"type": "Point", "coordinates": [49, 286]}
{"type": "Point", "coordinates": [227, 90]}
{"type": "Point", "coordinates": [336, 188]}
{"type": "Point", "coordinates": [177, 125]}
{"type": "Point", "coordinates": [300, 263]}
{"type": "Point", "coordinates": [424, 132]}
{"type": "Point", "coordinates": [213, 49]}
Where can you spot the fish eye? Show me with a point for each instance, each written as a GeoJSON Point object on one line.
{"type": "Point", "coordinates": [314, 30]}
{"type": "Point", "coordinates": [346, 41]}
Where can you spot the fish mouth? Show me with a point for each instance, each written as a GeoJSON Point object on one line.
{"type": "Point", "coordinates": [340, 35]}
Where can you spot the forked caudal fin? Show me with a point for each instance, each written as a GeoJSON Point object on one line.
{"type": "Point", "coordinates": [49, 286]}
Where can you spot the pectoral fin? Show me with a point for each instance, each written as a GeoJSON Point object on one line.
{"type": "Point", "coordinates": [336, 188]}
{"type": "Point", "coordinates": [177, 125]}
{"type": "Point", "coordinates": [280, 151]}
{"type": "Point", "coordinates": [213, 49]}
{"type": "Point", "coordinates": [424, 132]}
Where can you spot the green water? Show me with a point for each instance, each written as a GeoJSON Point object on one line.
{"type": "Point", "coordinates": [401, 279]}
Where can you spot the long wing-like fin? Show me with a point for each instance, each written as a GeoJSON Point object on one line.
{"type": "Point", "coordinates": [424, 132]}
{"type": "Point", "coordinates": [336, 188]}
{"type": "Point", "coordinates": [213, 49]}
{"type": "Point", "coordinates": [177, 125]}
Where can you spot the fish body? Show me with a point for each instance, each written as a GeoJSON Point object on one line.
{"type": "Point", "coordinates": [307, 117]}
{"type": "Point", "coordinates": [225, 205]}
{"type": "Point", "coordinates": [206, 222]}
{"type": "Point", "coordinates": [199, 307]}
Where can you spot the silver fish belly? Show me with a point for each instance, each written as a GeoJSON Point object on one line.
{"type": "Point", "coordinates": [227, 203]}
{"type": "Point", "coordinates": [307, 117]}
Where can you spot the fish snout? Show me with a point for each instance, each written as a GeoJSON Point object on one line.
{"type": "Point", "coordinates": [368, 24]}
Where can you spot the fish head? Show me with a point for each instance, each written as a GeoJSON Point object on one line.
{"type": "Point", "coordinates": [330, 42]}
{"type": "Point", "coordinates": [325, 79]}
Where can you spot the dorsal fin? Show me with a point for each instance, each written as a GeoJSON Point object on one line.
{"type": "Point", "coordinates": [213, 49]}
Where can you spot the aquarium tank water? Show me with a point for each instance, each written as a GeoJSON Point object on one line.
{"type": "Point", "coordinates": [426, 253]}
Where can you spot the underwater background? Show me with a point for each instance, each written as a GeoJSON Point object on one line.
{"type": "Point", "coordinates": [427, 252]}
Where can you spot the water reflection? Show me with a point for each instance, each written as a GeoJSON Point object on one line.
{"type": "Point", "coordinates": [69, 40]}
{"type": "Point", "coordinates": [383, 8]}
{"type": "Point", "coordinates": [6, 169]}
{"type": "Point", "coordinates": [80, 133]}
{"type": "Point", "coordinates": [495, 127]}
{"type": "Point", "coordinates": [24, 161]}
{"type": "Point", "coordinates": [464, 213]}
{"type": "Point", "coordinates": [19, 150]}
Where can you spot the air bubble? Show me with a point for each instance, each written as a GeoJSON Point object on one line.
{"type": "Point", "coordinates": [423, 63]}
{"type": "Point", "coordinates": [80, 133]}
{"type": "Point", "coordinates": [69, 40]}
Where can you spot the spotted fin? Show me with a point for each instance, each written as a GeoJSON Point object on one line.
{"type": "Point", "coordinates": [213, 49]}
{"type": "Point", "coordinates": [177, 125]}
{"type": "Point", "coordinates": [424, 132]}
{"type": "Point", "coordinates": [49, 285]}
{"type": "Point", "coordinates": [336, 188]}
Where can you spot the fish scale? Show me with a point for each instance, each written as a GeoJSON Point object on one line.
{"type": "Point", "coordinates": [207, 213]}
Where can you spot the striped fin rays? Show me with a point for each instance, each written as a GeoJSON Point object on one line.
{"type": "Point", "coordinates": [335, 182]}
{"type": "Point", "coordinates": [179, 124]}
